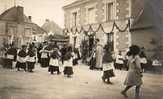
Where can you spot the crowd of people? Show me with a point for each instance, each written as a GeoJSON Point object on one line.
{"type": "Point", "coordinates": [48, 55]}
{"type": "Point", "coordinates": [54, 56]}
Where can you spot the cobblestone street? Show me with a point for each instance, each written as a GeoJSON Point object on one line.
{"type": "Point", "coordinates": [85, 84]}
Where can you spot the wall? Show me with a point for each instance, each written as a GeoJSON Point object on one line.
{"type": "Point", "coordinates": [121, 11]}
{"type": "Point", "coordinates": [143, 38]}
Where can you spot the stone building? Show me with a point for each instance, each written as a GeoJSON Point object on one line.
{"type": "Point", "coordinates": [133, 19]}
{"type": "Point", "coordinates": [16, 27]}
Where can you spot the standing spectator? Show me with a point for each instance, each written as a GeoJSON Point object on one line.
{"type": "Point", "coordinates": [143, 61]}
{"type": "Point", "coordinates": [75, 56]}
{"type": "Point", "coordinates": [119, 62]}
{"type": "Point", "coordinates": [54, 62]}
{"type": "Point", "coordinates": [21, 58]}
{"type": "Point", "coordinates": [38, 52]}
{"type": "Point", "coordinates": [31, 58]}
{"type": "Point", "coordinates": [63, 52]}
{"type": "Point", "coordinates": [68, 59]}
{"type": "Point", "coordinates": [11, 56]}
{"type": "Point", "coordinates": [84, 51]}
{"type": "Point", "coordinates": [93, 60]}
{"type": "Point", "coordinates": [99, 54]}
{"type": "Point", "coordinates": [134, 75]}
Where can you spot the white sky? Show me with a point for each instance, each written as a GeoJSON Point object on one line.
{"type": "Point", "coordinates": [44, 9]}
{"type": "Point", "coordinates": [39, 9]}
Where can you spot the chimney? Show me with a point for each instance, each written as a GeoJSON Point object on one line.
{"type": "Point", "coordinates": [47, 20]}
{"type": "Point", "coordinates": [20, 14]}
{"type": "Point", "coordinates": [30, 18]}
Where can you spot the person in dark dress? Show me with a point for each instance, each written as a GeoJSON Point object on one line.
{"type": "Point", "coordinates": [75, 56]}
{"type": "Point", "coordinates": [63, 52]}
{"type": "Point", "coordinates": [68, 58]}
{"type": "Point", "coordinates": [93, 60]}
{"type": "Point", "coordinates": [107, 67]}
{"type": "Point", "coordinates": [54, 62]}
{"type": "Point", "coordinates": [21, 59]}
{"type": "Point", "coordinates": [38, 53]}
{"type": "Point", "coordinates": [44, 57]}
{"type": "Point", "coordinates": [11, 56]}
{"type": "Point", "coordinates": [31, 58]}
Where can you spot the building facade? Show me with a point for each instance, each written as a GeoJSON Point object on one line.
{"type": "Point", "coordinates": [83, 13]}
{"type": "Point", "coordinates": [18, 28]}
{"type": "Point", "coordinates": [127, 21]}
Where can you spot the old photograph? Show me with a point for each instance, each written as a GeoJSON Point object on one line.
{"type": "Point", "coordinates": [81, 49]}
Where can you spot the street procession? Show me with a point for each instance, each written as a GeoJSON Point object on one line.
{"type": "Point", "coordinates": [96, 49]}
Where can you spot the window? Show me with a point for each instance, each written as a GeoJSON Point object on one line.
{"type": "Point", "coordinates": [109, 11]}
{"type": "Point", "coordinates": [91, 15]}
{"type": "Point", "coordinates": [11, 30]}
{"type": "Point", "coordinates": [74, 18]}
{"type": "Point", "coordinates": [28, 32]}
{"type": "Point", "coordinates": [110, 41]}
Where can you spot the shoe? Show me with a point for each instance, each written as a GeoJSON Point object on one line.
{"type": "Point", "coordinates": [58, 73]}
{"type": "Point", "coordinates": [103, 79]}
{"type": "Point", "coordinates": [109, 83]}
{"type": "Point", "coordinates": [124, 94]}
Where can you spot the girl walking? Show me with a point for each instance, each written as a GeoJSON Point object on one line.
{"type": "Point", "coordinates": [54, 62]}
{"type": "Point", "coordinates": [134, 75]}
{"type": "Point", "coordinates": [44, 57]}
{"type": "Point", "coordinates": [31, 58]}
{"type": "Point", "coordinates": [21, 59]}
{"type": "Point", "coordinates": [107, 68]}
{"type": "Point", "coordinates": [68, 62]}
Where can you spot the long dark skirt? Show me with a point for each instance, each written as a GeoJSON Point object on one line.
{"type": "Point", "coordinates": [143, 66]}
{"type": "Point", "coordinates": [107, 74]}
{"type": "Point", "coordinates": [118, 66]}
{"type": "Point", "coordinates": [21, 65]}
{"type": "Point", "coordinates": [8, 63]}
{"type": "Point", "coordinates": [75, 61]}
{"type": "Point", "coordinates": [53, 69]}
{"type": "Point", "coordinates": [92, 63]}
{"type": "Point", "coordinates": [44, 62]}
{"type": "Point", "coordinates": [30, 66]}
{"type": "Point", "coordinates": [68, 70]}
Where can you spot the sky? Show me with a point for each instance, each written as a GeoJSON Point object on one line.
{"type": "Point", "coordinates": [40, 10]}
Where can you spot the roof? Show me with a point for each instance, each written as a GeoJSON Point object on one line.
{"type": "Point", "coordinates": [75, 3]}
{"type": "Point", "coordinates": [15, 13]}
{"type": "Point", "coordinates": [51, 26]}
{"type": "Point", "coordinates": [58, 37]}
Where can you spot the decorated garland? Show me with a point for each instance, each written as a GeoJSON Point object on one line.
{"type": "Point", "coordinates": [90, 29]}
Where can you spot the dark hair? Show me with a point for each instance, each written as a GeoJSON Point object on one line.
{"type": "Point", "coordinates": [55, 54]}
{"type": "Point", "coordinates": [134, 50]}
{"type": "Point", "coordinates": [24, 46]}
{"type": "Point", "coordinates": [142, 54]}
{"type": "Point", "coordinates": [97, 40]}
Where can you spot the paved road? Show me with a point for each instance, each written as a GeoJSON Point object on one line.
{"type": "Point", "coordinates": [85, 84]}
